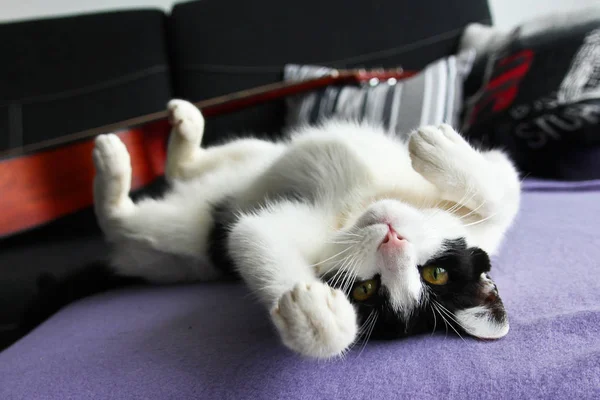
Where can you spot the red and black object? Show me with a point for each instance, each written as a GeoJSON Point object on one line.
{"type": "Point", "coordinates": [540, 100]}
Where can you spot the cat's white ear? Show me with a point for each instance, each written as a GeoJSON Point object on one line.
{"type": "Point", "coordinates": [488, 319]}
{"type": "Point", "coordinates": [482, 322]}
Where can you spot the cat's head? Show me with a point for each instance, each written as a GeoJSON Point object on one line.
{"type": "Point", "coordinates": [414, 272]}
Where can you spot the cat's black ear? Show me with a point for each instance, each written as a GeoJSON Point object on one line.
{"type": "Point", "coordinates": [487, 319]}
{"type": "Point", "coordinates": [480, 260]}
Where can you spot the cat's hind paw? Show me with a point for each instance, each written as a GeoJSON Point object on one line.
{"type": "Point", "coordinates": [113, 171]}
{"type": "Point", "coordinates": [315, 320]}
{"type": "Point", "coordinates": [187, 121]}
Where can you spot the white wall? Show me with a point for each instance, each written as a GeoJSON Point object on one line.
{"type": "Point", "coordinates": [506, 13]}
{"type": "Point", "coordinates": [11, 10]}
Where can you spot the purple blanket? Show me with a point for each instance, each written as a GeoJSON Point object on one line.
{"type": "Point", "coordinates": [211, 341]}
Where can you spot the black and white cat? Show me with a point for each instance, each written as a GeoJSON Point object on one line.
{"type": "Point", "coordinates": [341, 230]}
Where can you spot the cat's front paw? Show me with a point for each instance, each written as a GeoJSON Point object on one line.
{"type": "Point", "coordinates": [113, 170]}
{"type": "Point", "coordinates": [444, 157]}
{"type": "Point", "coordinates": [111, 158]}
{"type": "Point", "coordinates": [315, 320]}
{"type": "Point", "coordinates": [187, 120]}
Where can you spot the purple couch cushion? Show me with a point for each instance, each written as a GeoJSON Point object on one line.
{"type": "Point", "coordinates": [212, 341]}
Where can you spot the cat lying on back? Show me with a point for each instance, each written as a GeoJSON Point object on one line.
{"type": "Point", "coordinates": [341, 230]}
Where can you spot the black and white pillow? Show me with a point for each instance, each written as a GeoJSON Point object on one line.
{"type": "Point", "coordinates": [539, 94]}
{"type": "Point", "coordinates": [433, 96]}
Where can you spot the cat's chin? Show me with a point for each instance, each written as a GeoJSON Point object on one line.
{"type": "Point", "coordinates": [395, 256]}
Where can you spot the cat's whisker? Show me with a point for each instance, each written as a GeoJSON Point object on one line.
{"type": "Point", "coordinates": [476, 209]}
{"type": "Point", "coordinates": [494, 214]}
{"type": "Point", "coordinates": [481, 220]}
{"type": "Point", "coordinates": [425, 204]}
{"type": "Point", "coordinates": [524, 177]}
{"type": "Point", "coordinates": [348, 233]}
{"type": "Point", "coordinates": [352, 275]}
{"type": "Point", "coordinates": [439, 203]}
{"type": "Point", "coordinates": [449, 315]}
{"type": "Point", "coordinates": [473, 211]}
{"type": "Point", "coordinates": [422, 205]}
{"type": "Point", "coordinates": [346, 280]}
{"type": "Point", "coordinates": [364, 325]}
{"type": "Point", "coordinates": [341, 262]}
{"type": "Point", "coordinates": [434, 322]}
{"type": "Point", "coordinates": [361, 331]}
{"type": "Point", "coordinates": [333, 280]}
{"type": "Point", "coordinates": [455, 207]}
{"type": "Point", "coordinates": [332, 257]}
{"type": "Point", "coordinates": [437, 208]}
{"type": "Point", "coordinates": [489, 216]}
{"type": "Point", "coordinates": [335, 265]}
{"type": "Point", "coordinates": [346, 276]}
{"type": "Point", "coordinates": [443, 318]}
{"type": "Point", "coordinates": [446, 323]}
{"type": "Point", "coordinates": [352, 263]}
{"type": "Point", "coordinates": [343, 276]}
{"type": "Point", "coordinates": [352, 281]}
{"type": "Point", "coordinates": [370, 331]}
{"type": "Point", "coordinates": [340, 272]}
{"type": "Point", "coordinates": [471, 192]}
{"type": "Point", "coordinates": [364, 328]}
{"type": "Point", "coordinates": [342, 242]}
{"type": "Point", "coordinates": [459, 335]}
{"type": "Point", "coordinates": [459, 202]}
{"type": "Point", "coordinates": [366, 335]}
{"type": "Point", "coordinates": [344, 354]}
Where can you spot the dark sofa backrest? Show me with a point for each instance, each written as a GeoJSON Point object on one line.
{"type": "Point", "coordinates": [63, 75]}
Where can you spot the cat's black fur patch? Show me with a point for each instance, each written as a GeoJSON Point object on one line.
{"type": "Point", "coordinates": [218, 251]}
{"type": "Point", "coordinates": [224, 218]}
{"type": "Point", "coordinates": [463, 290]}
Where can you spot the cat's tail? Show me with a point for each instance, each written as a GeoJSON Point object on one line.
{"type": "Point", "coordinates": [56, 292]}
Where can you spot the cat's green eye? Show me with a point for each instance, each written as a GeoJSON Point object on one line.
{"type": "Point", "coordinates": [435, 275]}
{"type": "Point", "coordinates": [364, 290]}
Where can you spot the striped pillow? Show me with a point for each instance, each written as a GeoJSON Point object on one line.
{"type": "Point", "coordinates": [433, 96]}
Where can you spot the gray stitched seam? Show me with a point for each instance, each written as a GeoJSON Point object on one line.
{"type": "Point", "coordinates": [91, 88]}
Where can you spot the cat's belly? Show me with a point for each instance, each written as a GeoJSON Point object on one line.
{"type": "Point", "coordinates": [392, 175]}
{"type": "Point", "coordinates": [333, 171]}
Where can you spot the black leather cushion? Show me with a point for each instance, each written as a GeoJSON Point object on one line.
{"type": "Point", "coordinates": [220, 46]}
{"type": "Point", "coordinates": [539, 99]}
{"type": "Point", "coordinates": [63, 75]}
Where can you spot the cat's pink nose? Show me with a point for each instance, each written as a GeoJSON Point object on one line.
{"type": "Point", "coordinates": [392, 239]}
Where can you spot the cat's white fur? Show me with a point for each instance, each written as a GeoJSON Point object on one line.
{"type": "Point", "coordinates": [360, 178]}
